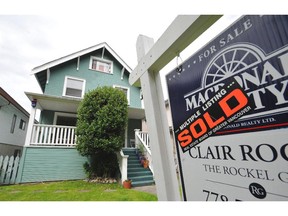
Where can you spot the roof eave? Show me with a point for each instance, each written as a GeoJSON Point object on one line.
{"type": "Point", "coordinates": [80, 53]}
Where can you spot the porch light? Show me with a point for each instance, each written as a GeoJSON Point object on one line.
{"type": "Point", "coordinates": [34, 103]}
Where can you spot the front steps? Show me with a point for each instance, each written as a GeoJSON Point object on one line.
{"type": "Point", "coordinates": [139, 175]}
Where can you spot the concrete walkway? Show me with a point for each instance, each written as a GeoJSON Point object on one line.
{"type": "Point", "coordinates": [149, 189]}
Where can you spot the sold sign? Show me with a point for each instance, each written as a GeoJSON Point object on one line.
{"type": "Point", "coordinates": [227, 105]}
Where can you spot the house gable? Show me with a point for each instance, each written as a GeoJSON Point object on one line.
{"type": "Point", "coordinates": [53, 76]}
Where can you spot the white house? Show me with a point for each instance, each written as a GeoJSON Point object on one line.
{"type": "Point", "coordinates": [13, 125]}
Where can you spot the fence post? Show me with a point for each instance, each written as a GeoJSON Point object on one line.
{"type": "Point", "coordinates": [3, 170]}
{"type": "Point", "coordinates": [8, 169]}
{"type": "Point", "coordinates": [21, 166]}
{"type": "Point", "coordinates": [15, 170]}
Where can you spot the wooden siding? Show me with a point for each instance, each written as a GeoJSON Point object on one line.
{"type": "Point", "coordinates": [50, 164]}
{"type": "Point", "coordinates": [7, 111]}
{"type": "Point", "coordinates": [93, 78]}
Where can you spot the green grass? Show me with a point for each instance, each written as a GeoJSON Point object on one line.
{"type": "Point", "coordinates": [72, 191]}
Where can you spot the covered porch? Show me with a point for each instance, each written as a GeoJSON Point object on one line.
{"type": "Point", "coordinates": [57, 123]}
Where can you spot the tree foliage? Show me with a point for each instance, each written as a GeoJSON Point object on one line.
{"type": "Point", "coordinates": [102, 119]}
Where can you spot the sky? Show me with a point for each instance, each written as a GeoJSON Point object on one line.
{"type": "Point", "coordinates": [36, 32]}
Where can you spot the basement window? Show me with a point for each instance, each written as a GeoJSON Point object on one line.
{"type": "Point", "coordinates": [74, 87]}
{"type": "Point", "coordinates": [101, 65]}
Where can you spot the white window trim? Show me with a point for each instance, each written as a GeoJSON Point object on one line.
{"type": "Point", "coordinates": [57, 114]}
{"type": "Point", "coordinates": [65, 84]}
{"type": "Point", "coordinates": [128, 91]}
{"type": "Point", "coordinates": [23, 125]}
{"type": "Point", "coordinates": [101, 60]}
{"type": "Point", "coordinates": [13, 124]}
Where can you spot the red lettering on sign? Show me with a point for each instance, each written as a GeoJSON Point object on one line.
{"type": "Point", "coordinates": [202, 126]}
{"type": "Point", "coordinates": [210, 121]}
{"type": "Point", "coordinates": [199, 126]}
{"type": "Point", "coordinates": [239, 96]}
{"type": "Point", "coordinates": [184, 138]}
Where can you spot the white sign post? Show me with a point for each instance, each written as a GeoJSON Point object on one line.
{"type": "Point", "coordinates": [152, 59]}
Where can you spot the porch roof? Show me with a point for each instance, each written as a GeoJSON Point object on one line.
{"type": "Point", "coordinates": [66, 104]}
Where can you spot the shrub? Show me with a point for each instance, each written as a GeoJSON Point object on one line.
{"type": "Point", "coordinates": [101, 123]}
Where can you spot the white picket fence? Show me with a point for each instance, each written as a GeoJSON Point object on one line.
{"type": "Point", "coordinates": [8, 169]}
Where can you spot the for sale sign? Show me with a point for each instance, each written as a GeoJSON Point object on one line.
{"type": "Point", "coordinates": [229, 105]}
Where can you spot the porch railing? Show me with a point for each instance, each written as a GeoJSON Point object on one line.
{"type": "Point", "coordinates": [143, 137]}
{"type": "Point", "coordinates": [53, 135]}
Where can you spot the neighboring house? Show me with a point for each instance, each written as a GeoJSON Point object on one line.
{"type": "Point", "coordinates": [13, 125]}
{"type": "Point", "coordinates": [50, 152]}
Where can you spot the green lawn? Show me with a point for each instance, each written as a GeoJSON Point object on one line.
{"type": "Point", "coordinates": [72, 191]}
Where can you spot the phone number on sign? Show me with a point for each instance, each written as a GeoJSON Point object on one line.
{"type": "Point", "coordinates": [213, 196]}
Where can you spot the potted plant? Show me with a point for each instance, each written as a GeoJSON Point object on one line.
{"type": "Point", "coordinates": [141, 154]}
{"type": "Point", "coordinates": [145, 163]}
{"type": "Point", "coordinates": [127, 183]}
{"type": "Point", "coordinates": [142, 159]}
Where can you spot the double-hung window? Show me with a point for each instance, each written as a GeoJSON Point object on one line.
{"type": "Point", "coordinates": [74, 87]}
{"type": "Point", "coordinates": [101, 65]}
{"type": "Point", "coordinates": [125, 90]}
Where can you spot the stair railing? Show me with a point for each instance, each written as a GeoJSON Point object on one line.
{"type": "Point", "coordinates": [123, 165]}
{"type": "Point", "coordinates": [142, 138]}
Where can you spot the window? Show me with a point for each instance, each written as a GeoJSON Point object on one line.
{"type": "Point", "coordinates": [125, 90]}
{"type": "Point", "coordinates": [22, 124]}
{"type": "Point", "coordinates": [101, 65]}
{"type": "Point", "coordinates": [13, 123]}
{"type": "Point", "coordinates": [67, 119]}
{"type": "Point", "coordinates": [74, 87]}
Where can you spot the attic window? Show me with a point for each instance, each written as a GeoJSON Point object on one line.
{"type": "Point", "coordinates": [101, 65]}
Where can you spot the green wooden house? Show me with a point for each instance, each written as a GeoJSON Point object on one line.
{"type": "Point", "coordinates": [49, 153]}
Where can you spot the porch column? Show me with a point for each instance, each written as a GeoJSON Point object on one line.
{"type": "Point", "coordinates": [30, 126]}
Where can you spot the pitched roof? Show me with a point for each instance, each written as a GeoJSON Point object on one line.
{"type": "Point", "coordinates": [80, 53]}
{"type": "Point", "coordinates": [10, 100]}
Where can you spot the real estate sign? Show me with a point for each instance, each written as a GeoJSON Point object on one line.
{"type": "Point", "coordinates": [229, 105]}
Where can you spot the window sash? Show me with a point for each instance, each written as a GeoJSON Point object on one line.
{"type": "Point", "coordinates": [74, 84]}
{"type": "Point", "coordinates": [101, 65]}
{"type": "Point", "coordinates": [74, 87]}
{"type": "Point", "coordinates": [125, 90]}
{"type": "Point", "coordinates": [22, 124]}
